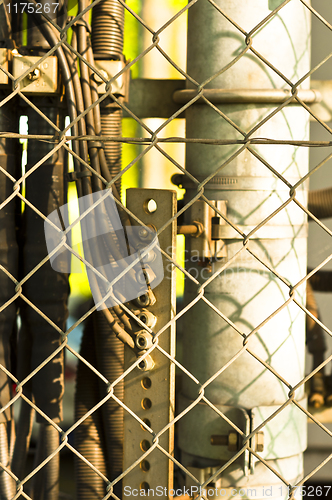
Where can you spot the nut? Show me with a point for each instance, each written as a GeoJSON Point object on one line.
{"type": "Point", "coordinates": [232, 441]}
{"type": "Point", "coordinates": [145, 276]}
{"type": "Point", "coordinates": [147, 317]}
{"type": "Point", "coordinates": [143, 232]}
{"type": "Point", "coordinates": [150, 256]}
{"type": "Point", "coordinates": [143, 340]}
{"type": "Point", "coordinates": [146, 299]}
{"type": "Point", "coordinates": [259, 441]}
{"type": "Point", "coordinates": [146, 364]}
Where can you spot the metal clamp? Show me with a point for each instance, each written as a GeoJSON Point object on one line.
{"type": "Point", "coordinates": [75, 176]}
{"type": "Point", "coordinates": [41, 80]}
{"type": "Point", "coordinates": [108, 69]}
{"type": "Point", "coordinates": [207, 242]}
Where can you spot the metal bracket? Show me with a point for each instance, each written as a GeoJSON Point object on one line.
{"type": "Point", "coordinates": [217, 439]}
{"type": "Point", "coordinates": [209, 244]}
{"type": "Point", "coordinates": [41, 80]}
{"type": "Point", "coordinates": [108, 69]}
{"type": "Point", "coordinates": [150, 391]}
{"type": "Point", "coordinates": [151, 98]}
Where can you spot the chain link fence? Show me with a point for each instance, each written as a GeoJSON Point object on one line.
{"type": "Point", "coordinates": [34, 296]}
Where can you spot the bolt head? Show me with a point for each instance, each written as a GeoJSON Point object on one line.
{"type": "Point", "coordinates": [97, 78]}
{"type": "Point", "coordinates": [34, 74]}
{"type": "Point", "coordinates": [143, 340]}
{"type": "Point", "coordinates": [146, 364]}
{"type": "Point", "coordinates": [143, 232]}
{"type": "Point", "coordinates": [141, 277]}
{"type": "Point", "coordinates": [150, 256]}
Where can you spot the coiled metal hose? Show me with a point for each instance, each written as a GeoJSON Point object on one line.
{"type": "Point", "coordinates": [89, 436]}
{"type": "Point", "coordinates": [45, 484]}
{"type": "Point", "coordinates": [7, 485]}
{"type": "Point", "coordinates": [111, 126]}
{"type": "Point", "coordinates": [110, 362]}
{"type": "Point", "coordinates": [320, 203]}
{"type": "Point", "coordinates": [107, 30]}
{"type": "Point", "coordinates": [107, 43]}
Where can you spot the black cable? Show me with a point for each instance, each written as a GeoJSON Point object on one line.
{"type": "Point", "coordinates": [76, 106]}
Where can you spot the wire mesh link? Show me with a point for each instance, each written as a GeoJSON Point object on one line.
{"type": "Point", "coordinates": [62, 139]}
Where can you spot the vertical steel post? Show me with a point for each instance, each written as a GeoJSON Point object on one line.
{"type": "Point", "coordinates": [247, 292]}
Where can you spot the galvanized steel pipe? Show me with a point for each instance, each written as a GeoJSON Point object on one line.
{"type": "Point", "coordinates": [247, 292]}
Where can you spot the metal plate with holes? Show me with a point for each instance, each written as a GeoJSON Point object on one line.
{"type": "Point", "coordinates": [41, 80]}
{"type": "Point", "coordinates": [150, 394]}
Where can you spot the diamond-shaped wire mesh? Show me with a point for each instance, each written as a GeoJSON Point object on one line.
{"type": "Point", "coordinates": [249, 307]}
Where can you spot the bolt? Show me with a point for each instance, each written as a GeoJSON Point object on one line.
{"type": "Point", "coordinates": [231, 441]}
{"type": "Point", "coordinates": [143, 340]}
{"type": "Point", "coordinates": [98, 79]}
{"type": "Point", "coordinates": [143, 233]}
{"type": "Point", "coordinates": [147, 317]}
{"type": "Point", "coordinates": [145, 276]}
{"type": "Point", "coordinates": [146, 364]}
{"type": "Point", "coordinates": [146, 299]}
{"type": "Point", "coordinates": [34, 75]}
{"type": "Point", "coordinates": [150, 256]}
{"type": "Point", "coordinates": [218, 440]}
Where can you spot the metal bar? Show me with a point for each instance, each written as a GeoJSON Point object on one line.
{"type": "Point", "coordinates": [253, 96]}
{"type": "Point", "coordinates": [153, 98]}
{"type": "Point", "coordinates": [150, 394]}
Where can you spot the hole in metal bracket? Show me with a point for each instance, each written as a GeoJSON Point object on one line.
{"type": "Point", "coordinates": [146, 403]}
{"type": "Point", "coordinates": [145, 445]}
{"type": "Point", "coordinates": [147, 422]}
{"type": "Point", "coordinates": [150, 206]}
{"type": "Point", "coordinates": [144, 486]}
{"type": "Point", "coordinates": [146, 383]}
{"type": "Point", "coordinates": [145, 465]}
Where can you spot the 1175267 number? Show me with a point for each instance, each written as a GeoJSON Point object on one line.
{"type": "Point", "coordinates": [312, 491]}
{"type": "Point", "coordinates": [31, 8]}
